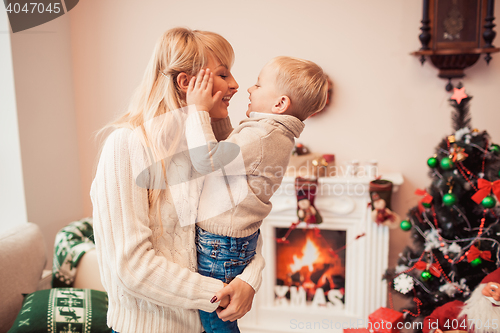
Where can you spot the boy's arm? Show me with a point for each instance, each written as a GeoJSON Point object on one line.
{"type": "Point", "coordinates": [207, 155]}
{"type": "Point", "coordinates": [205, 152]}
{"type": "Point", "coordinates": [222, 128]}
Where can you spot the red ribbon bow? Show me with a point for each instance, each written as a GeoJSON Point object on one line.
{"type": "Point", "coordinates": [458, 154]}
{"type": "Point", "coordinates": [475, 253]}
{"type": "Point", "coordinates": [426, 199]}
{"type": "Point", "coordinates": [433, 269]}
{"type": "Point", "coordinates": [485, 188]}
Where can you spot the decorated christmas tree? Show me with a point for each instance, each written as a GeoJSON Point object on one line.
{"type": "Point", "coordinates": [455, 226]}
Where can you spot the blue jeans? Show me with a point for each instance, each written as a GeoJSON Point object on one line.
{"type": "Point", "coordinates": [222, 258]}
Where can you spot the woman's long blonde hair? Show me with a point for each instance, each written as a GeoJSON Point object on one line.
{"type": "Point", "coordinates": [178, 50]}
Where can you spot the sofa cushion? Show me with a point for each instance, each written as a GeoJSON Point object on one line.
{"type": "Point", "coordinates": [22, 259]}
{"type": "Point", "coordinates": [71, 244]}
{"type": "Point", "coordinates": [63, 310]}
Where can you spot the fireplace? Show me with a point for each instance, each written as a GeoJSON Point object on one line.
{"type": "Point", "coordinates": [310, 267]}
{"type": "Point", "coordinates": [327, 279]}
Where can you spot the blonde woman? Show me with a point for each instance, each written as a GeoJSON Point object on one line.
{"type": "Point", "coordinates": [145, 196]}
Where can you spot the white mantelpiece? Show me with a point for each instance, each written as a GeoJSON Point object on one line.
{"type": "Point", "coordinates": [343, 204]}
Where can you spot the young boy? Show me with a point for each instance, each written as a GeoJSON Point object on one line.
{"type": "Point", "coordinates": [288, 91]}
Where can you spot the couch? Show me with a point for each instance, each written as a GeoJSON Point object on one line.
{"type": "Point", "coordinates": [22, 261]}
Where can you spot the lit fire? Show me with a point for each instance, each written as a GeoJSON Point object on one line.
{"type": "Point", "coordinates": [308, 261]}
{"type": "Point", "coordinates": [310, 255]}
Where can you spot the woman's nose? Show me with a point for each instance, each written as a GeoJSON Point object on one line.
{"type": "Point", "coordinates": [233, 84]}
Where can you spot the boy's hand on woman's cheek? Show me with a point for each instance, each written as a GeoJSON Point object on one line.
{"type": "Point", "coordinates": [199, 91]}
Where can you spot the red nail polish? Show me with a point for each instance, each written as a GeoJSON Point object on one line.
{"type": "Point", "coordinates": [214, 299]}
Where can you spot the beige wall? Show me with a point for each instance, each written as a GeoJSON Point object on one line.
{"type": "Point", "coordinates": [386, 106]}
{"type": "Point", "coordinates": [47, 126]}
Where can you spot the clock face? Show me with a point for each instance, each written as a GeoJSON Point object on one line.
{"type": "Point", "coordinates": [456, 21]}
{"type": "Point", "coordinates": [453, 24]}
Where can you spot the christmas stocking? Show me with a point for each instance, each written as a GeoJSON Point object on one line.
{"type": "Point", "coordinates": [380, 194]}
{"type": "Point", "coordinates": [306, 193]}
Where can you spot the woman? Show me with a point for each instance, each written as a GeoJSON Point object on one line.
{"type": "Point", "coordinates": [147, 259]}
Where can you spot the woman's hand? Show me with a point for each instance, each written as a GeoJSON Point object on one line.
{"type": "Point", "coordinates": [199, 91]}
{"type": "Point", "coordinates": [224, 302]}
{"type": "Point", "coordinates": [240, 296]}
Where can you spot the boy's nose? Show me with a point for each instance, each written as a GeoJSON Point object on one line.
{"type": "Point", "coordinates": [250, 89]}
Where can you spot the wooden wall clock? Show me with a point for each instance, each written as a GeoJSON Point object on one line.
{"type": "Point", "coordinates": [455, 33]}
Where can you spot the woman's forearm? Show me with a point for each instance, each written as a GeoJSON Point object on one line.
{"type": "Point", "coordinates": [252, 274]}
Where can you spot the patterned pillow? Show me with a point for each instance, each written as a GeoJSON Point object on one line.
{"type": "Point", "coordinates": [72, 242]}
{"type": "Point", "coordinates": [63, 310]}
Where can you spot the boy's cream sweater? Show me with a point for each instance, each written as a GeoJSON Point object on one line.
{"type": "Point", "coordinates": [149, 274]}
{"type": "Point", "coordinates": [265, 143]}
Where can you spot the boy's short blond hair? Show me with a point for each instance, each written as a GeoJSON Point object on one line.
{"type": "Point", "coordinates": [304, 82]}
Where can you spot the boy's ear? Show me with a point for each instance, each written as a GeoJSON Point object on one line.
{"type": "Point", "coordinates": [282, 105]}
{"type": "Point", "coordinates": [183, 81]}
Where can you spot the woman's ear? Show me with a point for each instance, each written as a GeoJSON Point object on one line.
{"type": "Point", "coordinates": [183, 81]}
{"type": "Point", "coordinates": [282, 105]}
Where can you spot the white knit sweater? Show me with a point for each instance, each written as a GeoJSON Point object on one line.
{"type": "Point", "coordinates": [149, 274]}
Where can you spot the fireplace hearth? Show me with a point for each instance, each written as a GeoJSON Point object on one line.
{"type": "Point", "coordinates": [327, 279]}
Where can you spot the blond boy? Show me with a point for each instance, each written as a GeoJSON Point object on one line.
{"type": "Point", "coordinates": [288, 91]}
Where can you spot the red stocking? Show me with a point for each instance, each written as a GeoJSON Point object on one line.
{"type": "Point", "coordinates": [306, 193]}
